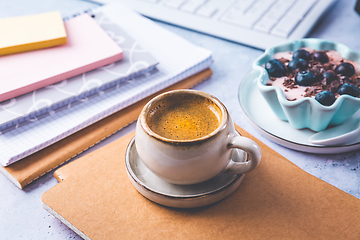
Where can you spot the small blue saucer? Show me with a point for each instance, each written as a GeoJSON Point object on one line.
{"type": "Point", "coordinates": [281, 132]}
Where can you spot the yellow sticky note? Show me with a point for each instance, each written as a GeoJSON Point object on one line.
{"type": "Point", "coordinates": [26, 33]}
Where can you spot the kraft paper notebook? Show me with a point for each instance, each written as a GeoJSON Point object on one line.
{"type": "Point", "coordinates": [25, 33]}
{"type": "Point", "coordinates": [178, 59]}
{"type": "Point", "coordinates": [88, 47]}
{"type": "Point", "coordinates": [30, 168]}
{"type": "Point", "coordinates": [277, 200]}
{"type": "Point", "coordinates": [29, 107]}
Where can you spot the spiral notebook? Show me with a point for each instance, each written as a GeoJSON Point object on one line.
{"type": "Point", "coordinates": [23, 172]}
{"type": "Point", "coordinates": [32, 106]}
{"type": "Point", "coordinates": [178, 59]}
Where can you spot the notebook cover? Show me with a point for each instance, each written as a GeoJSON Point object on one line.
{"type": "Point", "coordinates": [32, 167]}
{"type": "Point", "coordinates": [25, 33]}
{"type": "Point", "coordinates": [32, 106]}
{"type": "Point", "coordinates": [88, 47]}
{"type": "Point", "coordinates": [277, 200]}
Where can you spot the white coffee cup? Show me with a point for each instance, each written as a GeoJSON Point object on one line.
{"type": "Point", "coordinates": [190, 159]}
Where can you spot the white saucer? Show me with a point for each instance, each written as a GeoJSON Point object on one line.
{"type": "Point", "coordinates": [179, 196]}
{"type": "Point", "coordinates": [260, 114]}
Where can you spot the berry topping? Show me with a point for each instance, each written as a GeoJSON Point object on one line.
{"type": "Point", "coordinates": [300, 64]}
{"type": "Point", "coordinates": [345, 69]}
{"type": "Point", "coordinates": [330, 76]}
{"type": "Point", "coordinates": [326, 98]}
{"type": "Point", "coordinates": [349, 89]}
{"type": "Point", "coordinates": [321, 56]}
{"type": "Point", "coordinates": [301, 53]}
{"type": "Point", "coordinates": [275, 68]}
{"type": "Point", "coordinates": [305, 78]}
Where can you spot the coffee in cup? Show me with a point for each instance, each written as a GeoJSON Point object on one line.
{"type": "Point", "coordinates": [187, 137]}
{"type": "Point", "coordinates": [184, 117]}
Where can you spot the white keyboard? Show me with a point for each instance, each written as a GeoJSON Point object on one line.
{"type": "Point", "coordinates": [257, 23]}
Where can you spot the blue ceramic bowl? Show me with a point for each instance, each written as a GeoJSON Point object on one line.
{"type": "Point", "coordinates": [306, 112]}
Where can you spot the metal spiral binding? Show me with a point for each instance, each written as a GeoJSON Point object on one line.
{"type": "Point", "coordinates": [88, 11]}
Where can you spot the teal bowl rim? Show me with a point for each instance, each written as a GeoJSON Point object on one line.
{"type": "Point", "coordinates": [345, 51]}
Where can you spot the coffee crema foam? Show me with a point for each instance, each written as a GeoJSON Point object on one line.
{"type": "Point", "coordinates": [184, 117]}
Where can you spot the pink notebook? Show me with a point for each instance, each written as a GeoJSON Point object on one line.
{"type": "Point", "coordinates": [88, 47]}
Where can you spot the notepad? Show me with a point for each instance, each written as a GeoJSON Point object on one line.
{"type": "Point", "coordinates": [88, 47]}
{"type": "Point", "coordinates": [29, 107]}
{"type": "Point", "coordinates": [178, 59]}
{"type": "Point", "coordinates": [277, 200]}
{"type": "Point", "coordinates": [25, 33]}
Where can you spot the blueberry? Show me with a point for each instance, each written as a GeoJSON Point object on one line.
{"type": "Point", "coordinates": [275, 68]}
{"type": "Point", "coordinates": [321, 56]}
{"type": "Point", "coordinates": [345, 69]}
{"type": "Point", "coordinates": [305, 78]}
{"type": "Point", "coordinates": [300, 64]}
{"type": "Point", "coordinates": [330, 76]}
{"type": "Point", "coordinates": [301, 53]}
{"type": "Point", "coordinates": [326, 98]}
{"type": "Point", "coordinates": [349, 89]}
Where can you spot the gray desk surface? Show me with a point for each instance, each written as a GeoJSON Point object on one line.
{"type": "Point", "coordinates": [21, 213]}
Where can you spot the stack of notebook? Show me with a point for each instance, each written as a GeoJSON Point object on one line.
{"type": "Point", "coordinates": [66, 101]}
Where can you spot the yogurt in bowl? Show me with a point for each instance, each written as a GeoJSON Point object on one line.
{"type": "Point", "coordinates": [309, 82]}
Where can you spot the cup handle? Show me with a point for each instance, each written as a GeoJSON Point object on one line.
{"type": "Point", "coordinates": [249, 146]}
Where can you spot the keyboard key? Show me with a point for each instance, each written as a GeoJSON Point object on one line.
{"type": "Point", "coordinates": [206, 10]}
{"type": "Point", "coordinates": [292, 18]}
{"type": "Point", "coordinates": [242, 5]}
{"type": "Point", "coordinates": [250, 17]}
{"type": "Point", "coordinates": [192, 5]}
{"type": "Point", "coordinates": [234, 17]}
{"type": "Point", "coordinates": [276, 12]}
{"type": "Point", "coordinates": [174, 3]}
{"type": "Point", "coordinates": [301, 8]}
{"type": "Point", "coordinates": [285, 26]}
{"type": "Point", "coordinates": [258, 9]}
{"type": "Point", "coordinates": [265, 25]}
